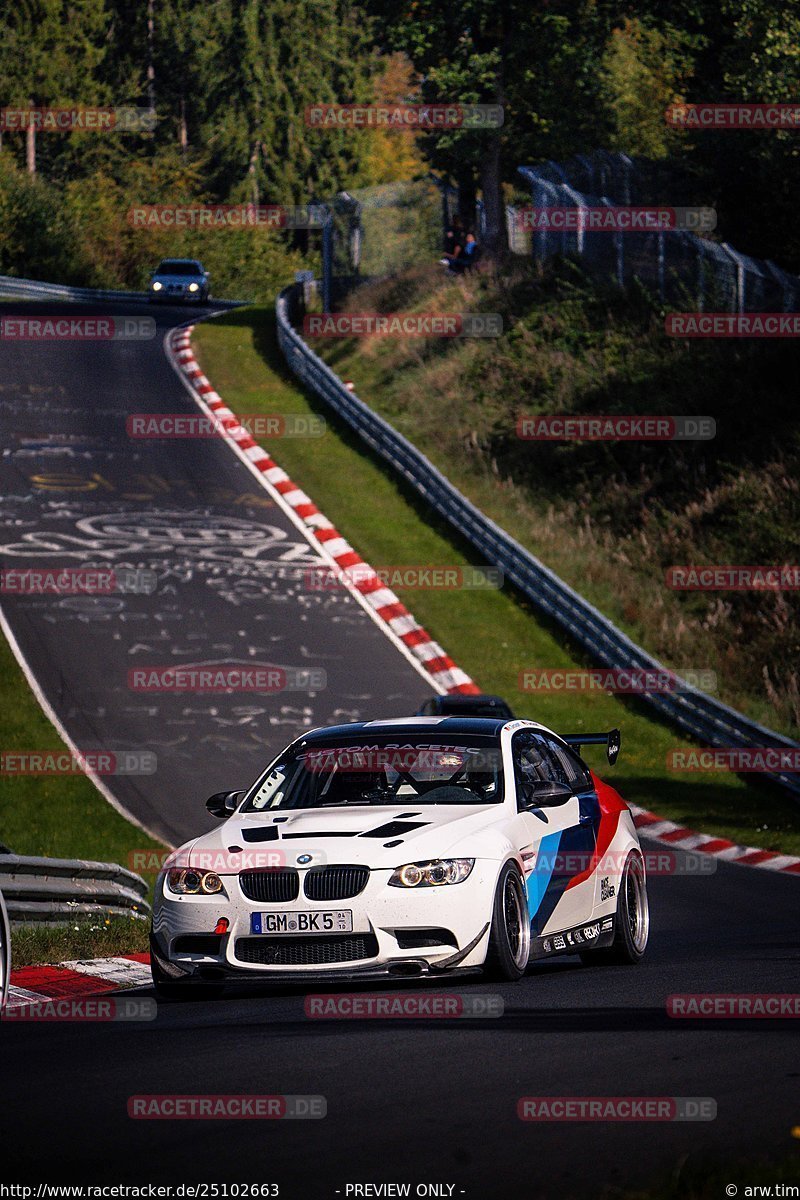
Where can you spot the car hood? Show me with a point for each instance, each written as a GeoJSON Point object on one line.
{"type": "Point", "coordinates": [378, 837]}
{"type": "Point", "coordinates": [183, 280]}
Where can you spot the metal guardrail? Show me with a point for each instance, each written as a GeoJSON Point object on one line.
{"type": "Point", "coordinates": [692, 711]}
{"type": "Point", "coordinates": [33, 289]}
{"type": "Point", "coordinates": [55, 890]}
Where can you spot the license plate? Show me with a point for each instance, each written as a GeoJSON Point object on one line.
{"type": "Point", "coordinates": [339, 921]}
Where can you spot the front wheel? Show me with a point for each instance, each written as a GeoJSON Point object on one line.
{"type": "Point", "coordinates": [632, 922]}
{"type": "Point", "coordinates": [5, 954]}
{"type": "Point", "coordinates": [170, 989]}
{"type": "Point", "coordinates": [510, 936]}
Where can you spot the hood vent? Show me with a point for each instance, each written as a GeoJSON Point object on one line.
{"type": "Point", "coordinates": [260, 833]}
{"type": "Point", "coordinates": [393, 828]}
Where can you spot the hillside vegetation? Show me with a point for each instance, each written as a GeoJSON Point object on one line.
{"type": "Point", "coordinates": [611, 517]}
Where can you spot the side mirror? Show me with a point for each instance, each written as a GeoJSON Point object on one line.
{"type": "Point", "coordinates": [546, 792]}
{"type": "Point", "coordinates": [222, 804]}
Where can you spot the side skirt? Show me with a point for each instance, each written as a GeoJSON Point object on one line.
{"type": "Point", "coordinates": [592, 935]}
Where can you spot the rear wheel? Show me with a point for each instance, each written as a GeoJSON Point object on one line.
{"type": "Point", "coordinates": [632, 922]}
{"type": "Point", "coordinates": [510, 936]}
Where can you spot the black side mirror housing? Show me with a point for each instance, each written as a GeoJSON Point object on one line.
{"type": "Point", "coordinates": [547, 792]}
{"type": "Point", "coordinates": [222, 804]}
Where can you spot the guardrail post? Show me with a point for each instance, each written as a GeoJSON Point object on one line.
{"type": "Point", "coordinates": [701, 276]}
{"type": "Point", "coordinates": [327, 261]}
{"type": "Point", "coordinates": [618, 246]}
{"type": "Point", "coordinates": [578, 198]}
{"type": "Point", "coordinates": [739, 298]}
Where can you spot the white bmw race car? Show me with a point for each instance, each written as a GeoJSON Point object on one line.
{"type": "Point", "coordinates": [414, 847]}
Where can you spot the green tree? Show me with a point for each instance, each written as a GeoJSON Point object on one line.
{"type": "Point", "coordinates": [50, 51]}
{"type": "Point", "coordinates": [262, 64]}
{"type": "Point", "coordinates": [538, 60]}
{"type": "Point", "coordinates": [644, 70]}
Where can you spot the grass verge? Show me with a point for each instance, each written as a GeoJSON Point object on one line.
{"type": "Point", "coordinates": [492, 634]}
{"type": "Point", "coordinates": [98, 937]}
{"type": "Point", "coordinates": [59, 817]}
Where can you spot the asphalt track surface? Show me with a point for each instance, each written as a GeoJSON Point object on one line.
{"type": "Point", "coordinates": [436, 1101]}
{"type": "Point", "coordinates": [417, 1102]}
{"type": "Point", "coordinates": [237, 581]}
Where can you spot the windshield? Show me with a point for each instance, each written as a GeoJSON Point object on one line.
{"type": "Point", "coordinates": [174, 267]}
{"type": "Point", "coordinates": [338, 774]}
{"type": "Point", "coordinates": [466, 707]}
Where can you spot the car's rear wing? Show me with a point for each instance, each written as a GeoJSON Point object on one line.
{"type": "Point", "coordinates": [611, 740]}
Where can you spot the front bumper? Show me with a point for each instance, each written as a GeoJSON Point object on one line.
{"type": "Point", "coordinates": [173, 295]}
{"type": "Point", "coordinates": [396, 932]}
{"type": "Point", "coordinates": [396, 971]}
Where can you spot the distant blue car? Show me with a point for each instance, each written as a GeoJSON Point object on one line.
{"type": "Point", "coordinates": [182, 279]}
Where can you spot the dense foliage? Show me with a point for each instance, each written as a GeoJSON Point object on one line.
{"type": "Point", "coordinates": [230, 82]}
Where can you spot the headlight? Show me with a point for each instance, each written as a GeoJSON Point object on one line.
{"type": "Point", "coordinates": [432, 874]}
{"type": "Point", "coordinates": [157, 286]}
{"type": "Point", "coordinates": [194, 287]}
{"type": "Point", "coordinates": [193, 883]}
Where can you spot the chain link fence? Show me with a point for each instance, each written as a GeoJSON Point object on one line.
{"type": "Point", "coordinates": [678, 265]}
{"type": "Point", "coordinates": [379, 231]}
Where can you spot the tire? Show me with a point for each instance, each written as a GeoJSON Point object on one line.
{"type": "Point", "coordinates": [510, 935]}
{"type": "Point", "coordinates": [170, 989]}
{"type": "Point", "coordinates": [632, 921]}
